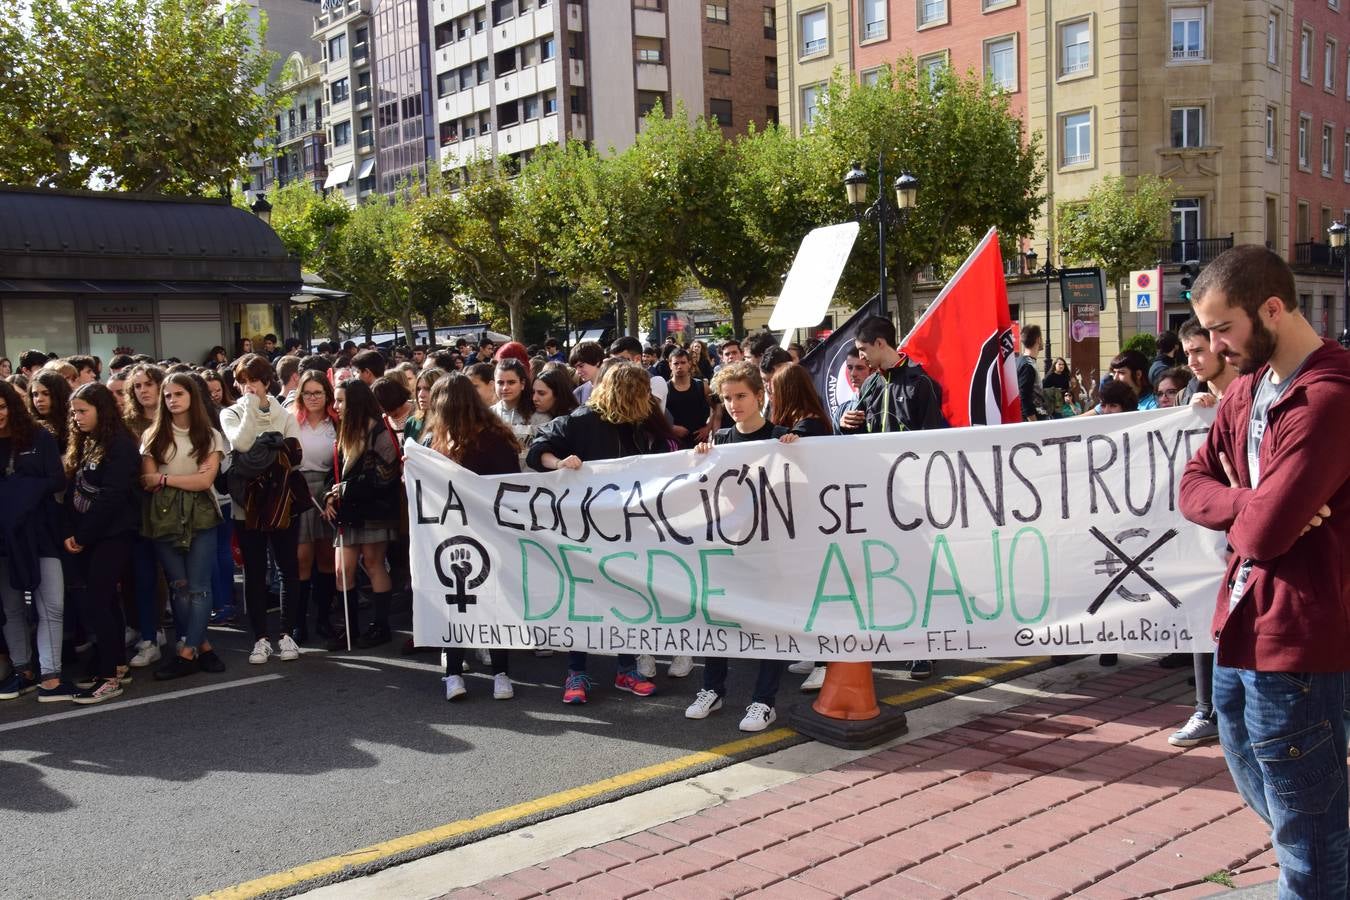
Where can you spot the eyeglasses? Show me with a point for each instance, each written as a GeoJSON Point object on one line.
{"type": "Point", "coordinates": [313, 395]}
{"type": "Point", "coordinates": [1170, 392]}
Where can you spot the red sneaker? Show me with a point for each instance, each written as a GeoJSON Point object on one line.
{"type": "Point", "coordinates": [634, 683]}
{"type": "Point", "coordinates": [574, 688]}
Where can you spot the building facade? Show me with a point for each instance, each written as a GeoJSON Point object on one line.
{"type": "Point", "coordinates": [404, 117]}
{"type": "Point", "coordinates": [815, 40]}
{"type": "Point", "coordinates": [740, 64]}
{"type": "Point", "coordinates": [300, 149]}
{"type": "Point", "coordinates": [343, 31]}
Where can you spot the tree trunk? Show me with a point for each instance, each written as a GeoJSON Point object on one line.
{"type": "Point", "coordinates": [515, 307]}
{"type": "Point", "coordinates": [632, 304]}
{"type": "Point", "coordinates": [368, 326]}
{"type": "Point", "coordinates": [736, 305]}
{"type": "Point", "coordinates": [332, 312]}
{"type": "Point", "coordinates": [904, 310]}
{"type": "Point", "coordinates": [408, 333]}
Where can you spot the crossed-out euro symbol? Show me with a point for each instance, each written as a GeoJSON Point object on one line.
{"type": "Point", "coordinates": [1132, 564]}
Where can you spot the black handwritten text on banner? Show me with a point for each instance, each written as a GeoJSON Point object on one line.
{"type": "Point", "coordinates": [1049, 537]}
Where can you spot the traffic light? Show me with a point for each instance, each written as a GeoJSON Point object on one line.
{"type": "Point", "coordinates": [1189, 270]}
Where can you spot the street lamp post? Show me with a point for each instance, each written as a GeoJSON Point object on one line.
{"type": "Point", "coordinates": [1336, 235]}
{"type": "Point", "coordinates": [1048, 272]}
{"type": "Point", "coordinates": [262, 209]}
{"type": "Point", "coordinates": [906, 189]}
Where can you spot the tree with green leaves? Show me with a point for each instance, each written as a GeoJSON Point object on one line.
{"type": "Point", "coordinates": [310, 226]}
{"type": "Point", "coordinates": [1117, 226]}
{"type": "Point", "coordinates": [483, 237]}
{"type": "Point", "coordinates": [742, 207]}
{"type": "Point", "coordinates": [959, 137]}
{"type": "Point", "coordinates": [139, 95]}
{"type": "Point", "coordinates": [605, 219]}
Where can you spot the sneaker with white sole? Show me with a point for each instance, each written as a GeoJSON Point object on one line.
{"type": "Point", "coordinates": [501, 687]}
{"type": "Point", "coordinates": [646, 665]}
{"type": "Point", "coordinates": [147, 654]}
{"type": "Point", "coordinates": [704, 703]}
{"type": "Point", "coordinates": [287, 649]}
{"type": "Point", "coordinates": [680, 666]}
{"type": "Point", "coordinates": [454, 687]}
{"type": "Point", "coordinates": [802, 668]}
{"type": "Point", "coordinates": [815, 681]}
{"type": "Point", "coordinates": [262, 651]}
{"type": "Point", "coordinates": [1198, 729]}
{"type": "Point", "coordinates": [758, 716]}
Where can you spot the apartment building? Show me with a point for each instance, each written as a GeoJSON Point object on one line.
{"type": "Point", "coordinates": [405, 118]}
{"type": "Point", "coordinates": [988, 37]}
{"type": "Point", "coordinates": [815, 40]}
{"type": "Point", "coordinates": [740, 63]}
{"type": "Point", "coordinates": [299, 137]}
{"type": "Point", "coordinates": [343, 32]}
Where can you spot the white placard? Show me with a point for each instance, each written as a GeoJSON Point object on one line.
{"type": "Point", "coordinates": [812, 279]}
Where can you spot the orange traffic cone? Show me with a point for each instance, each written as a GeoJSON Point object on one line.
{"type": "Point", "coordinates": [846, 713]}
{"type": "Point", "coordinates": [848, 692]}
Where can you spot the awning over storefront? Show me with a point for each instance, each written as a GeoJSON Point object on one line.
{"type": "Point", "coordinates": [367, 166]}
{"type": "Point", "coordinates": [340, 174]}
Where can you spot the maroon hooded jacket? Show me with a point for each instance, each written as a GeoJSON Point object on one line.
{"type": "Point", "coordinates": [1295, 613]}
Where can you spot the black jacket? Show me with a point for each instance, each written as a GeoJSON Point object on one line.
{"type": "Point", "coordinates": [583, 433]}
{"type": "Point", "coordinates": [30, 518]}
{"type": "Point", "coordinates": [914, 402]}
{"type": "Point", "coordinates": [100, 502]}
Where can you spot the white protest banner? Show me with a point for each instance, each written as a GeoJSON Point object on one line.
{"type": "Point", "coordinates": [1045, 537]}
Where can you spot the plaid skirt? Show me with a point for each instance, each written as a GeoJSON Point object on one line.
{"type": "Point", "coordinates": [313, 526]}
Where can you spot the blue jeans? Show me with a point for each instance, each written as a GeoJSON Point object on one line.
{"type": "Point", "coordinates": [146, 575]}
{"type": "Point", "coordinates": [222, 573]}
{"type": "Point", "coordinates": [189, 575]}
{"type": "Point", "coordinates": [1284, 737]}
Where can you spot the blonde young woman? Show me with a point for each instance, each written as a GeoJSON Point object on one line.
{"type": "Point", "coordinates": [622, 419]}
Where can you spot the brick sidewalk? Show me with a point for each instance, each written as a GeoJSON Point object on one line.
{"type": "Point", "coordinates": [1078, 794]}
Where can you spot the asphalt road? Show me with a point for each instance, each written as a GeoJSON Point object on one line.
{"type": "Point", "coordinates": [180, 788]}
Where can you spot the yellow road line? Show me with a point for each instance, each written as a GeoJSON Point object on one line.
{"type": "Point", "coordinates": [332, 865]}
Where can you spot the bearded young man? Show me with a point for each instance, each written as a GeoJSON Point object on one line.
{"type": "Point", "coordinates": [1274, 475]}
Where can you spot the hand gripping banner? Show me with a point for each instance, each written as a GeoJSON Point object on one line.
{"type": "Point", "coordinates": [1036, 538]}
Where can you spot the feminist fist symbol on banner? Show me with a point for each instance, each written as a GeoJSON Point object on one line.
{"type": "Point", "coordinates": [468, 568]}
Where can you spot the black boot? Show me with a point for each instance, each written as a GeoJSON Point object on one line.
{"type": "Point", "coordinates": [321, 599]}
{"type": "Point", "coordinates": [379, 632]}
{"type": "Point", "coordinates": [300, 614]}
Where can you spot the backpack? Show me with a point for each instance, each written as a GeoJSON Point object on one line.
{"type": "Point", "coordinates": [274, 497]}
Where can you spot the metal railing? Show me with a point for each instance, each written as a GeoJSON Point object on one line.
{"type": "Point", "coordinates": [1201, 249]}
{"type": "Point", "coordinates": [1312, 253]}
{"type": "Point", "coordinates": [297, 132]}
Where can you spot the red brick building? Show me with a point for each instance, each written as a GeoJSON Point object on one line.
{"type": "Point", "coordinates": [740, 64]}
{"type": "Point", "coordinates": [987, 36]}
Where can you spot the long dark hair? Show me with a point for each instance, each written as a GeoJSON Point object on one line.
{"type": "Point", "coordinates": [83, 448]}
{"type": "Point", "coordinates": [21, 424]}
{"type": "Point", "coordinates": [57, 419]}
{"type": "Point", "coordinates": [524, 405]}
{"type": "Point", "coordinates": [795, 398]}
{"type": "Point", "coordinates": [360, 413]}
{"type": "Point", "coordinates": [457, 418]}
{"type": "Point", "coordinates": [159, 438]}
{"type": "Point", "coordinates": [559, 384]}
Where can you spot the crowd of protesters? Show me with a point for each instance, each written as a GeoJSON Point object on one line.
{"type": "Point", "coordinates": [141, 495]}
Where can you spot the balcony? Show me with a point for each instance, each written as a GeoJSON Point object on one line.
{"type": "Point", "coordinates": [337, 12]}
{"type": "Point", "coordinates": [360, 53]}
{"type": "Point", "coordinates": [1312, 255]}
{"type": "Point", "coordinates": [363, 96]}
{"type": "Point", "coordinates": [1201, 249]}
{"type": "Point", "coordinates": [365, 140]}
{"type": "Point", "coordinates": [298, 132]}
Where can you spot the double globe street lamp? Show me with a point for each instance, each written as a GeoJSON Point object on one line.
{"type": "Point", "coordinates": [885, 213]}
{"type": "Point", "coordinates": [1047, 273]}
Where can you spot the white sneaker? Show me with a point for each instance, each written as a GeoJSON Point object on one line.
{"type": "Point", "coordinates": [501, 687]}
{"type": "Point", "coordinates": [802, 668]}
{"type": "Point", "coordinates": [484, 656]}
{"type": "Point", "coordinates": [147, 654]}
{"type": "Point", "coordinates": [758, 716]}
{"type": "Point", "coordinates": [815, 681]}
{"type": "Point", "coordinates": [289, 649]}
{"type": "Point", "coordinates": [706, 702]}
{"type": "Point", "coordinates": [261, 652]}
{"type": "Point", "coordinates": [680, 666]}
{"type": "Point", "coordinates": [454, 687]}
{"type": "Point", "coordinates": [646, 665]}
